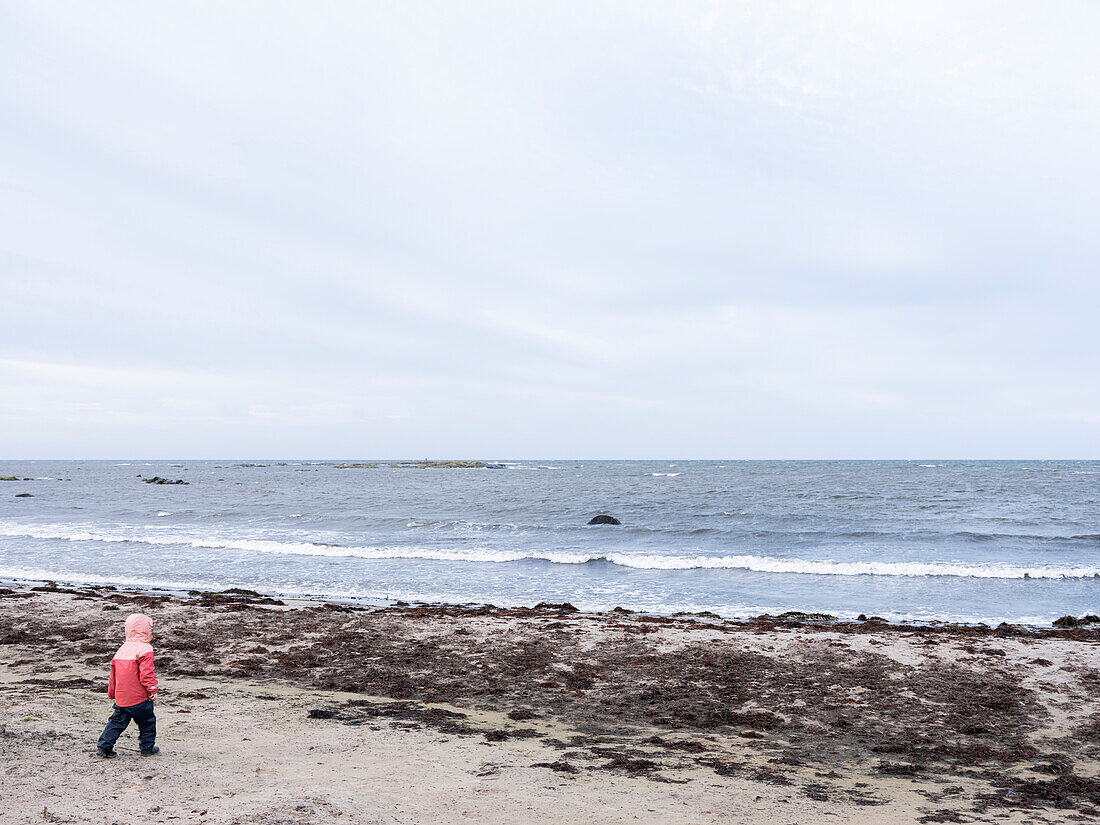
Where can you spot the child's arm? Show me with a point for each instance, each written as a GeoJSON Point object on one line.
{"type": "Point", "coordinates": [146, 675]}
{"type": "Point", "coordinates": [111, 682]}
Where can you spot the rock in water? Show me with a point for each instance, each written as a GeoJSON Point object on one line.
{"type": "Point", "coordinates": [602, 519]}
{"type": "Point", "coordinates": [800, 617]}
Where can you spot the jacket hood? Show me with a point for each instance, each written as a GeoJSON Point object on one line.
{"type": "Point", "coordinates": [139, 628]}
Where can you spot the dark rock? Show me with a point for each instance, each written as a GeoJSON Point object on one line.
{"type": "Point", "coordinates": [801, 616]}
{"type": "Point", "coordinates": [704, 614]}
{"type": "Point", "coordinates": [1066, 621]}
{"type": "Point", "coordinates": [604, 519]}
{"type": "Point", "coordinates": [24, 495]}
{"type": "Point", "coordinates": [564, 607]}
{"type": "Point", "coordinates": [159, 480]}
{"type": "Point", "coordinates": [1090, 618]}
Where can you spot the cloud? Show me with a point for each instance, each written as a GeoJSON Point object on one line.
{"type": "Point", "coordinates": [700, 229]}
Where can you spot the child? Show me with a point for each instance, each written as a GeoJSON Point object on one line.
{"type": "Point", "coordinates": [133, 686]}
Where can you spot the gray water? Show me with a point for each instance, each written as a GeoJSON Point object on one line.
{"type": "Point", "coordinates": [959, 540]}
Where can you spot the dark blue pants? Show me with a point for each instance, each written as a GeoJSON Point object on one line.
{"type": "Point", "coordinates": [120, 718]}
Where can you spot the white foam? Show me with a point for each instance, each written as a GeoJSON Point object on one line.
{"type": "Point", "coordinates": [753, 563]}
{"type": "Point", "coordinates": [670, 475]}
{"type": "Point", "coordinates": [70, 576]}
{"type": "Point", "coordinates": [163, 513]}
{"type": "Point", "coordinates": [449, 597]}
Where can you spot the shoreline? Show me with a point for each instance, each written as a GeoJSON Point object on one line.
{"type": "Point", "coordinates": [790, 617]}
{"type": "Point", "coordinates": [783, 721]}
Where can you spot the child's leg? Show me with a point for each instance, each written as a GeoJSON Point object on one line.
{"type": "Point", "coordinates": [147, 724]}
{"type": "Point", "coordinates": [116, 724]}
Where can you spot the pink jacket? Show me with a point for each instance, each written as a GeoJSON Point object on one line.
{"type": "Point", "coordinates": [132, 677]}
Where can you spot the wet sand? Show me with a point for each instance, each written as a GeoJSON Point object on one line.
{"type": "Point", "coordinates": [311, 712]}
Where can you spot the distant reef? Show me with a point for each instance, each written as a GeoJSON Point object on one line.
{"type": "Point", "coordinates": [426, 465]}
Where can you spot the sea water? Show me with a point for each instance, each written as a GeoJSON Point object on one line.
{"type": "Point", "coordinates": [954, 540]}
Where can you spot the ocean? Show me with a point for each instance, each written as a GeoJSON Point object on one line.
{"type": "Point", "coordinates": [990, 541]}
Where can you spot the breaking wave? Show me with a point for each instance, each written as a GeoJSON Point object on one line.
{"type": "Point", "coordinates": [751, 563]}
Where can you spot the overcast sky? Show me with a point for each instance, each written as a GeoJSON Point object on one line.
{"type": "Point", "coordinates": [588, 230]}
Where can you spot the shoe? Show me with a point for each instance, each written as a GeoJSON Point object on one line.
{"type": "Point", "coordinates": [106, 753]}
{"type": "Point", "coordinates": [153, 751]}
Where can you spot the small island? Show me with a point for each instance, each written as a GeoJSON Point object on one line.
{"type": "Point", "coordinates": [426, 465]}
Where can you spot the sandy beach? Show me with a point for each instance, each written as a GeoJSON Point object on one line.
{"type": "Point", "coordinates": [296, 712]}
